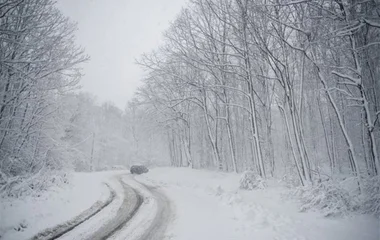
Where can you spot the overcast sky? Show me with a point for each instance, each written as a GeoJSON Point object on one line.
{"type": "Point", "coordinates": [115, 33]}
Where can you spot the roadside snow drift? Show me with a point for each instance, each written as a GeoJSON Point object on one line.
{"type": "Point", "coordinates": [210, 205]}
{"type": "Point", "coordinates": [23, 218]}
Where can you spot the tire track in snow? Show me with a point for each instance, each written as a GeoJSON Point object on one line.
{"type": "Point", "coordinates": [61, 229]}
{"type": "Point", "coordinates": [152, 218]}
{"type": "Point", "coordinates": [131, 203]}
{"type": "Point", "coordinates": [161, 220]}
{"type": "Point", "coordinates": [155, 216]}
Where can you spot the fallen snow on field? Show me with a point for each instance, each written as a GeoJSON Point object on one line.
{"type": "Point", "coordinates": [53, 207]}
{"type": "Point", "coordinates": [209, 205]}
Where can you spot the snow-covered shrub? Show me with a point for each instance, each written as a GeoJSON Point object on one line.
{"type": "Point", "coordinates": [290, 180]}
{"type": "Point", "coordinates": [371, 196]}
{"type": "Point", "coordinates": [32, 184]}
{"type": "Point", "coordinates": [328, 197]}
{"type": "Point", "coordinates": [250, 180]}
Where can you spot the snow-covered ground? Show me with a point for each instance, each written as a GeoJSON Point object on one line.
{"type": "Point", "coordinates": [205, 205]}
{"type": "Point", "coordinates": [209, 205]}
{"type": "Point", "coordinates": [53, 207]}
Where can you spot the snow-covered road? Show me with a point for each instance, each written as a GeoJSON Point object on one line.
{"type": "Point", "coordinates": [162, 218]}
{"type": "Point", "coordinates": [151, 219]}
{"type": "Point", "coordinates": [125, 209]}
{"type": "Point", "coordinates": [138, 212]}
{"type": "Point", "coordinates": [126, 204]}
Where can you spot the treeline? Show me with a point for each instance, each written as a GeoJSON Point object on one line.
{"type": "Point", "coordinates": [46, 126]}
{"type": "Point", "coordinates": [103, 137]}
{"type": "Point", "coordinates": [279, 87]}
{"type": "Point", "coordinates": [38, 64]}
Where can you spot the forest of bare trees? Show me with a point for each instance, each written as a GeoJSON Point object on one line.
{"type": "Point", "coordinates": [283, 88]}
{"type": "Point", "coordinates": [46, 126]}
{"type": "Point", "coordinates": [38, 64]}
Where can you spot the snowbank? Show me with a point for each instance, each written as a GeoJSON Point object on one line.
{"type": "Point", "coordinates": [210, 205]}
{"type": "Point", "coordinates": [25, 217]}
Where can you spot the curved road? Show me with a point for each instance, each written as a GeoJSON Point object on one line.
{"type": "Point", "coordinates": [142, 224]}
{"type": "Point", "coordinates": [160, 222]}
{"type": "Point", "coordinates": [131, 203]}
{"type": "Point", "coordinates": [135, 203]}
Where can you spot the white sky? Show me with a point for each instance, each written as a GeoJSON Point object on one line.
{"type": "Point", "coordinates": [114, 34]}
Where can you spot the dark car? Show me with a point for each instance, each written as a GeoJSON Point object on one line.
{"type": "Point", "coordinates": [139, 169]}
